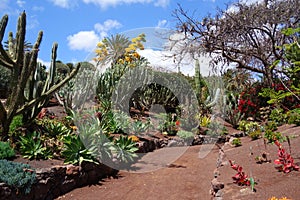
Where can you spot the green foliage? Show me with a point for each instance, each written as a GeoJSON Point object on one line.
{"type": "Point", "coordinates": [125, 149]}
{"type": "Point", "coordinates": [93, 143]}
{"type": "Point", "coordinates": [16, 122]}
{"type": "Point", "coordinates": [236, 142]}
{"type": "Point", "coordinates": [114, 122]}
{"type": "Point", "coordinates": [271, 125]}
{"type": "Point", "coordinates": [277, 115]}
{"type": "Point", "coordinates": [273, 136]}
{"type": "Point", "coordinates": [79, 89]}
{"type": "Point", "coordinates": [168, 123]}
{"type": "Point", "coordinates": [31, 147]}
{"type": "Point", "coordinates": [109, 80]}
{"type": "Point", "coordinates": [215, 128]}
{"type": "Point", "coordinates": [204, 121]}
{"type": "Point", "coordinates": [55, 128]}
{"type": "Point", "coordinates": [254, 135]}
{"type": "Point", "coordinates": [230, 110]}
{"type": "Point", "coordinates": [6, 151]}
{"type": "Point", "coordinates": [186, 135]}
{"type": "Point", "coordinates": [200, 84]}
{"type": "Point", "coordinates": [75, 152]}
{"type": "Point", "coordinates": [294, 117]}
{"type": "Point", "coordinates": [249, 127]}
{"type": "Point", "coordinates": [17, 175]}
{"type": "Point", "coordinates": [139, 126]}
{"type": "Point", "coordinates": [290, 87]}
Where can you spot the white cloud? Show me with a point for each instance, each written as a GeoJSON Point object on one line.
{"type": "Point", "coordinates": [65, 3]}
{"type": "Point", "coordinates": [20, 3]}
{"type": "Point", "coordinates": [163, 60]}
{"type": "Point", "coordinates": [162, 3]}
{"type": "Point", "coordinates": [87, 40]}
{"type": "Point", "coordinates": [83, 40]}
{"type": "Point", "coordinates": [47, 64]}
{"type": "Point", "coordinates": [233, 8]}
{"type": "Point", "coordinates": [38, 8]}
{"type": "Point", "coordinates": [109, 24]}
{"type": "Point", "coordinates": [161, 23]}
{"type": "Point", "coordinates": [107, 3]}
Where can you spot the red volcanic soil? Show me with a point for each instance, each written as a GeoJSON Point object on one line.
{"type": "Point", "coordinates": [190, 176]}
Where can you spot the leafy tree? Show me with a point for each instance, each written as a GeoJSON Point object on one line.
{"type": "Point", "coordinates": [245, 34]}
{"type": "Point", "coordinates": [288, 88]}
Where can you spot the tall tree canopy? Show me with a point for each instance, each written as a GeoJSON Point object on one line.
{"type": "Point", "coordinates": [245, 34]}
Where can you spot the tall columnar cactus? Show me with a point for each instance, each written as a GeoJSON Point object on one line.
{"type": "Point", "coordinates": [197, 80]}
{"type": "Point", "coordinates": [24, 67]}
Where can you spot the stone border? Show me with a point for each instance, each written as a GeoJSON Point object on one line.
{"type": "Point", "coordinates": [58, 180]}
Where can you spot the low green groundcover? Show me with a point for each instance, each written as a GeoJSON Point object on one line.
{"type": "Point", "coordinates": [17, 175]}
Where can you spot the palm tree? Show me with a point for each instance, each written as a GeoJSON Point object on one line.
{"type": "Point", "coordinates": [237, 80]}
{"type": "Point", "coordinates": [113, 48]}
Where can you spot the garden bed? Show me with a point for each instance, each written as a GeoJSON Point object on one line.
{"type": "Point", "coordinates": [57, 180]}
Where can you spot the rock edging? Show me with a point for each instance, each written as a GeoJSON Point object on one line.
{"type": "Point", "coordinates": [58, 180]}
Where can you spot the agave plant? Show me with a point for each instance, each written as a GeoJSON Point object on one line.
{"type": "Point", "coordinates": [125, 149]}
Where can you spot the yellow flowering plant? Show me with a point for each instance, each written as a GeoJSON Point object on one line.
{"type": "Point", "coordinates": [119, 49]}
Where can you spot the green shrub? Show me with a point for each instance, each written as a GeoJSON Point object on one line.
{"type": "Point", "coordinates": [277, 115]}
{"type": "Point", "coordinates": [6, 151]}
{"type": "Point", "coordinates": [272, 136]}
{"type": "Point", "coordinates": [294, 117]}
{"type": "Point", "coordinates": [248, 127]}
{"type": "Point", "coordinates": [255, 134]}
{"type": "Point", "coordinates": [17, 175]}
{"type": "Point", "coordinates": [16, 123]}
{"type": "Point", "coordinates": [139, 126]}
{"type": "Point", "coordinates": [186, 135]}
{"type": "Point", "coordinates": [271, 125]}
{"type": "Point", "coordinates": [55, 128]}
{"type": "Point", "coordinates": [236, 142]}
{"type": "Point", "coordinates": [31, 147]}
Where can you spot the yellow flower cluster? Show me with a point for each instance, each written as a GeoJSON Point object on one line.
{"type": "Point", "coordinates": [101, 51]}
{"type": "Point", "coordinates": [136, 43]}
{"type": "Point", "coordinates": [283, 198]}
{"type": "Point", "coordinates": [130, 52]}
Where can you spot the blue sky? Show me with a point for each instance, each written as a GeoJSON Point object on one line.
{"type": "Point", "coordinates": [77, 25]}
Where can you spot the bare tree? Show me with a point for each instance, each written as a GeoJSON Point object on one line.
{"type": "Point", "coordinates": [245, 34]}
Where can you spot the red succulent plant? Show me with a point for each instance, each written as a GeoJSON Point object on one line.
{"type": "Point", "coordinates": [240, 177]}
{"type": "Point", "coordinates": [285, 160]}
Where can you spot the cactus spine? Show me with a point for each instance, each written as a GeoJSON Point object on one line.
{"type": "Point", "coordinates": [24, 66]}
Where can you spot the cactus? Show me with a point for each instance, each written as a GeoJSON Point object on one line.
{"type": "Point", "coordinates": [198, 81]}
{"type": "Point", "coordinates": [230, 110]}
{"type": "Point", "coordinates": [80, 89]}
{"type": "Point", "coordinates": [24, 67]}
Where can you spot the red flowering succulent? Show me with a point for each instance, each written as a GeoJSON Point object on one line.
{"type": "Point", "coordinates": [285, 160]}
{"type": "Point", "coordinates": [240, 177]}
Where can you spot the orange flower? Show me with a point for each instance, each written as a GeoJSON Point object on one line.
{"type": "Point", "coordinates": [177, 123]}
{"type": "Point", "coordinates": [134, 138]}
{"type": "Point", "coordinates": [74, 128]}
